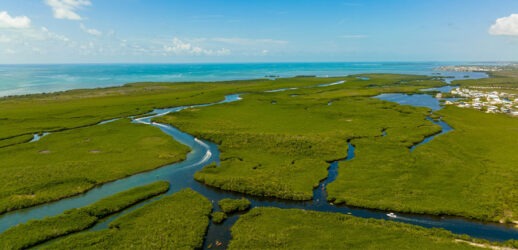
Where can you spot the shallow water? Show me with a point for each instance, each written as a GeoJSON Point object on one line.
{"type": "Point", "coordinates": [416, 100]}
{"type": "Point", "coordinates": [29, 79]}
{"type": "Point", "coordinates": [36, 137]}
{"type": "Point", "coordinates": [331, 84]}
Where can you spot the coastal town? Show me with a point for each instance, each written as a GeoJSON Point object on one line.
{"type": "Point", "coordinates": [489, 102]}
{"type": "Point", "coordinates": [478, 68]}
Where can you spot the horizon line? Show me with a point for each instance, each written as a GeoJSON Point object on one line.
{"type": "Point", "coordinates": [265, 62]}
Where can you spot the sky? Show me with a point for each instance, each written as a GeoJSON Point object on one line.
{"type": "Point", "coordinates": [207, 31]}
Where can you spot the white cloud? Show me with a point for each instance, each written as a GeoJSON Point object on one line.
{"type": "Point", "coordinates": [19, 37]}
{"type": "Point", "coordinates": [48, 35]}
{"type": "Point", "coordinates": [505, 26]}
{"type": "Point", "coordinates": [18, 22]}
{"type": "Point", "coordinates": [92, 32]}
{"type": "Point", "coordinates": [181, 47]}
{"type": "Point", "coordinates": [67, 9]}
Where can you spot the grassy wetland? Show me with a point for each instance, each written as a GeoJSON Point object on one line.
{"type": "Point", "coordinates": [71, 162]}
{"type": "Point", "coordinates": [504, 80]}
{"type": "Point", "coordinates": [284, 151]}
{"type": "Point", "coordinates": [37, 231]}
{"type": "Point", "coordinates": [178, 221]}
{"type": "Point", "coordinates": [234, 205]}
{"type": "Point", "coordinates": [26, 115]}
{"type": "Point", "coordinates": [274, 228]}
{"type": "Point", "coordinates": [469, 171]}
{"type": "Point", "coordinates": [276, 142]}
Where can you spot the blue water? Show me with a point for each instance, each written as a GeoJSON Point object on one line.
{"type": "Point", "coordinates": [417, 100]}
{"type": "Point", "coordinates": [444, 89]}
{"type": "Point", "coordinates": [28, 79]}
{"type": "Point", "coordinates": [445, 128]}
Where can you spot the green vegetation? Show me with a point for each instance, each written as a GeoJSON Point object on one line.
{"type": "Point", "coordinates": [505, 80]}
{"type": "Point", "coordinates": [23, 115]}
{"type": "Point", "coordinates": [467, 172]}
{"type": "Point", "coordinates": [234, 205]}
{"type": "Point", "coordinates": [120, 201]}
{"type": "Point", "coordinates": [71, 162]}
{"type": "Point", "coordinates": [37, 231]}
{"type": "Point", "coordinates": [15, 140]}
{"type": "Point", "coordinates": [281, 149]}
{"type": "Point", "coordinates": [174, 222]}
{"type": "Point", "coordinates": [273, 228]}
{"type": "Point", "coordinates": [218, 217]}
{"type": "Point", "coordinates": [79, 157]}
{"type": "Point", "coordinates": [277, 144]}
{"type": "Point", "coordinates": [274, 144]}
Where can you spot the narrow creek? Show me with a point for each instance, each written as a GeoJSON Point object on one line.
{"type": "Point", "coordinates": [445, 128]}
{"type": "Point", "coordinates": [320, 193]}
{"type": "Point", "coordinates": [180, 176]}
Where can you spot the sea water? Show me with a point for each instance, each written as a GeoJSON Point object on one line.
{"type": "Point", "coordinates": [29, 79]}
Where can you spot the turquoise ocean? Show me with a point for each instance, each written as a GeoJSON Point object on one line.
{"type": "Point", "coordinates": [29, 79]}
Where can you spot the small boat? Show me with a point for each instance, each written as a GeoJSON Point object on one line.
{"type": "Point", "coordinates": [392, 215]}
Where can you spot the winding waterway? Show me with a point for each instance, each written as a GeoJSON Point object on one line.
{"type": "Point", "coordinates": [180, 176]}
{"type": "Point", "coordinates": [445, 128]}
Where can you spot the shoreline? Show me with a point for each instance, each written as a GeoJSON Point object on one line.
{"type": "Point", "coordinates": [19, 80]}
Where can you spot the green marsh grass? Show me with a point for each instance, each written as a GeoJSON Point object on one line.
{"type": "Point", "coordinates": [499, 80]}
{"type": "Point", "coordinates": [77, 156]}
{"type": "Point", "coordinates": [234, 205]}
{"type": "Point", "coordinates": [75, 220]}
{"type": "Point", "coordinates": [178, 221]}
{"type": "Point", "coordinates": [71, 162]}
{"type": "Point", "coordinates": [29, 114]}
{"type": "Point", "coordinates": [15, 140]}
{"type": "Point", "coordinates": [279, 144]}
{"type": "Point", "coordinates": [282, 150]}
{"type": "Point", "coordinates": [274, 228]}
{"type": "Point", "coordinates": [122, 200]}
{"type": "Point", "coordinates": [469, 172]}
{"type": "Point", "coordinates": [218, 217]}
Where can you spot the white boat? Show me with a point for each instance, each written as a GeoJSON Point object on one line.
{"type": "Point", "coordinates": [392, 215]}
